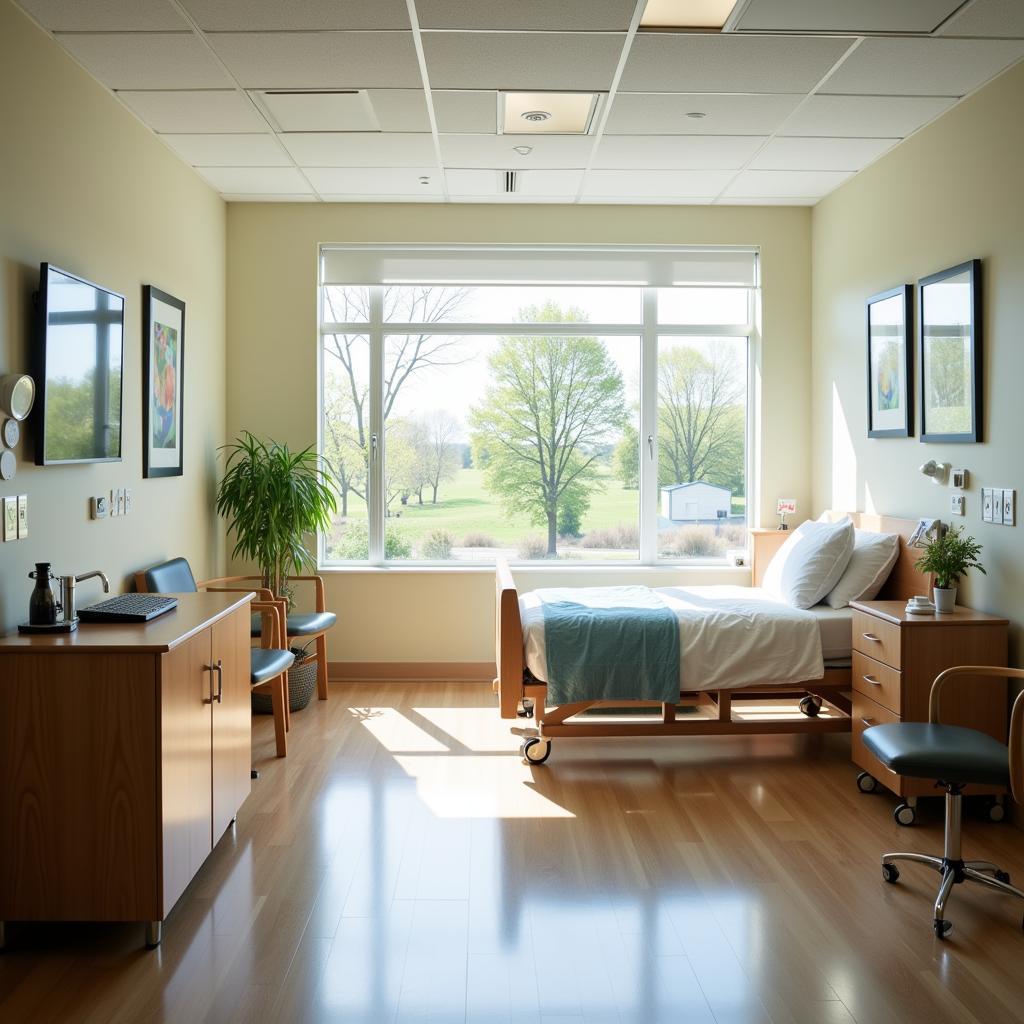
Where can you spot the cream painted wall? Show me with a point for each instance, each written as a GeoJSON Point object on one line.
{"type": "Point", "coordinates": [950, 193]}
{"type": "Point", "coordinates": [394, 615]}
{"type": "Point", "coordinates": [85, 186]}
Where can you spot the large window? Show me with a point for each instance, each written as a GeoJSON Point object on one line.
{"type": "Point", "coordinates": [468, 411]}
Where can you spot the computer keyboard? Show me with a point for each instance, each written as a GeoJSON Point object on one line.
{"type": "Point", "coordinates": [128, 608]}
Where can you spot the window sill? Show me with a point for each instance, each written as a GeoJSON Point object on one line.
{"type": "Point", "coordinates": [592, 568]}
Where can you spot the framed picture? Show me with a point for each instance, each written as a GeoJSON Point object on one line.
{"type": "Point", "coordinates": [950, 344]}
{"type": "Point", "coordinates": [890, 363]}
{"type": "Point", "coordinates": [163, 383]}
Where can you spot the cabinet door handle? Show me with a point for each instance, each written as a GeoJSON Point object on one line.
{"type": "Point", "coordinates": [871, 637]}
{"type": "Point", "coordinates": [210, 669]}
{"type": "Point", "coordinates": [872, 680]}
{"type": "Point", "coordinates": [219, 669]}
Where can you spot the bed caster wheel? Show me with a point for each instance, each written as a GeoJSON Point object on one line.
{"type": "Point", "coordinates": [942, 928]}
{"type": "Point", "coordinates": [866, 783]}
{"type": "Point", "coordinates": [535, 751]}
{"type": "Point", "coordinates": [1002, 876]}
{"type": "Point", "coordinates": [905, 815]}
{"type": "Point", "coordinates": [890, 873]}
{"type": "Point", "coordinates": [996, 811]}
{"type": "Point", "coordinates": [810, 706]}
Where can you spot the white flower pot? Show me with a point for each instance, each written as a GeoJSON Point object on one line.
{"type": "Point", "coordinates": [945, 599]}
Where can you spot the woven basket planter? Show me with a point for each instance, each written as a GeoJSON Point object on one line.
{"type": "Point", "coordinates": [301, 685]}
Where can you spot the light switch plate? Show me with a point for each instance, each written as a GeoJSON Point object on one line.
{"type": "Point", "coordinates": [956, 505]}
{"type": "Point", "coordinates": [1009, 506]}
{"type": "Point", "coordinates": [10, 523]}
{"type": "Point", "coordinates": [986, 504]}
{"type": "Point", "coordinates": [997, 505]}
{"type": "Point", "coordinates": [22, 516]}
{"type": "Point", "coordinates": [960, 478]}
{"type": "Point", "coordinates": [98, 507]}
{"type": "Point", "coordinates": [112, 505]}
{"type": "Point", "coordinates": [127, 500]}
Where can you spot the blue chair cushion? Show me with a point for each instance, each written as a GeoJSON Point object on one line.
{"type": "Point", "coordinates": [267, 663]}
{"type": "Point", "coordinates": [949, 753]}
{"type": "Point", "coordinates": [173, 577]}
{"type": "Point", "coordinates": [304, 624]}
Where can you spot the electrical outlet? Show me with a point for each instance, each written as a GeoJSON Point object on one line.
{"type": "Point", "coordinates": [10, 523]}
{"type": "Point", "coordinates": [960, 478]}
{"type": "Point", "coordinates": [986, 504]}
{"type": "Point", "coordinates": [956, 505]}
{"type": "Point", "coordinates": [1009, 506]}
{"type": "Point", "coordinates": [22, 516]}
{"type": "Point", "coordinates": [98, 508]}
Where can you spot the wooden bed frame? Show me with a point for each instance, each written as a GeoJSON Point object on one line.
{"type": "Point", "coordinates": [824, 704]}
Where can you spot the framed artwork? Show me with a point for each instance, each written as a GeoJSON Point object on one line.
{"type": "Point", "coordinates": [163, 383]}
{"type": "Point", "coordinates": [890, 363]}
{"type": "Point", "coordinates": [950, 346]}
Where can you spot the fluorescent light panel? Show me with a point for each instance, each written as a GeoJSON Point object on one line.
{"type": "Point", "coordinates": [571, 112]}
{"type": "Point", "coordinates": [703, 14]}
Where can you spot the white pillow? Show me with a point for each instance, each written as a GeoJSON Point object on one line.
{"type": "Point", "coordinates": [874, 555]}
{"type": "Point", "coordinates": [810, 562]}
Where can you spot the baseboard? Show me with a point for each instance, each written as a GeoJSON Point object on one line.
{"type": "Point", "coordinates": [408, 671]}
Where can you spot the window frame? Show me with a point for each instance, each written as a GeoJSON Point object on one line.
{"type": "Point", "coordinates": [648, 330]}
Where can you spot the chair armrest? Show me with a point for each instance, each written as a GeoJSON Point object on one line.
{"type": "Point", "coordinates": [321, 600]}
{"type": "Point", "coordinates": [1016, 737]}
{"type": "Point", "coordinates": [262, 593]}
{"type": "Point", "coordinates": [228, 579]}
{"type": "Point", "coordinates": [277, 620]}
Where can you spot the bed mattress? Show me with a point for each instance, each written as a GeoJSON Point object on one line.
{"type": "Point", "coordinates": [729, 637]}
{"type": "Point", "coordinates": [836, 628]}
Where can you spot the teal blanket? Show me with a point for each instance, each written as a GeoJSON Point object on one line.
{"type": "Point", "coordinates": [609, 643]}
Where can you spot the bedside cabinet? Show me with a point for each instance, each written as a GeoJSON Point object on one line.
{"type": "Point", "coordinates": [896, 657]}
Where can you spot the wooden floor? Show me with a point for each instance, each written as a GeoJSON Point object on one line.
{"type": "Point", "coordinates": [403, 864]}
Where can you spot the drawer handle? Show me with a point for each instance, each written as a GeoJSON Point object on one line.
{"type": "Point", "coordinates": [871, 637]}
{"type": "Point", "coordinates": [872, 680]}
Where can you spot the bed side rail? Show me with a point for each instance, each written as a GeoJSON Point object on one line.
{"type": "Point", "coordinates": [508, 634]}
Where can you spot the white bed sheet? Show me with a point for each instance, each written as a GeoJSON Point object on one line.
{"type": "Point", "coordinates": [729, 637]}
{"type": "Point", "coordinates": [836, 628]}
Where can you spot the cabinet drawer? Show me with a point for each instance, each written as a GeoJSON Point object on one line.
{"type": "Point", "coordinates": [866, 713]}
{"type": "Point", "coordinates": [877, 681]}
{"type": "Point", "coordinates": [877, 638]}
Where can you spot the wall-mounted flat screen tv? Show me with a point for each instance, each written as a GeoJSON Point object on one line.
{"type": "Point", "coordinates": [79, 361]}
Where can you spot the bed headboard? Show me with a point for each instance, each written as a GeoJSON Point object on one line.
{"type": "Point", "coordinates": [906, 579]}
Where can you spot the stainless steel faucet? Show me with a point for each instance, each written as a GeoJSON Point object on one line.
{"type": "Point", "coordinates": [67, 591]}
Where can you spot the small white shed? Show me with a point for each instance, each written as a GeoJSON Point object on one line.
{"type": "Point", "coordinates": [695, 502]}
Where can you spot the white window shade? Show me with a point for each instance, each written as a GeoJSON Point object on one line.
{"type": "Point", "coordinates": [547, 265]}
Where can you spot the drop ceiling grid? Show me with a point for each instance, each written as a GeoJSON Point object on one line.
{"type": "Point", "coordinates": [816, 112]}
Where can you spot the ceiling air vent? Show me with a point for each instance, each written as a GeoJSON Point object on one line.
{"type": "Point", "coordinates": [511, 181]}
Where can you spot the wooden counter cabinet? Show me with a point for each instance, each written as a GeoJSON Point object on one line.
{"type": "Point", "coordinates": [125, 753]}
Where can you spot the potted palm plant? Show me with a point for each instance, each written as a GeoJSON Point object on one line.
{"type": "Point", "coordinates": [273, 499]}
{"type": "Point", "coordinates": [947, 558]}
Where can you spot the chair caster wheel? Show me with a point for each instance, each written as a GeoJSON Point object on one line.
{"type": "Point", "coordinates": [890, 873]}
{"type": "Point", "coordinates": [810, 706]}
{"type": "Point", "coordinates": [1002, 876]}
{"type": "Point", "coordinates": [866, 783]}
{"type": "Point", "coordinates": [996, 811]}
{"type": "Point", "coordinates": [905, 815]}
{"type": "Point", "coordinates": [942, 928]}
{"type": "Point", "coordinates": [535, 751]}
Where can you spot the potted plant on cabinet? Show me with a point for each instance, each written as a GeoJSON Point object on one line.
{"type": "Point", "coordinates": [947, 558]}
{"type": "Point", "coordinates": [273, 498]}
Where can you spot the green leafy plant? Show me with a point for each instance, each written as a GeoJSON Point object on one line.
{"type": "Point", "coordinates": [949, 557]}
{"type": "Point", "coordinates": [272, 498]}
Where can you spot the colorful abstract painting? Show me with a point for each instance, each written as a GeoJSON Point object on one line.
{"type": "Point", "coordinates": [164, 385]}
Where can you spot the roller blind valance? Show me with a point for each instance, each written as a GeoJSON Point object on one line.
{"type": "Point", "coordinates": [662, 267]}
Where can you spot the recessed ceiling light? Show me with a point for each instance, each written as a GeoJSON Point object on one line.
{"type": "Point", "coordinates": [550, 113]}
{"type": "Point", "coordinates": [700, 14]}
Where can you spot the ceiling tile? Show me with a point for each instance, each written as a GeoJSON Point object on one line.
{"type": "Point", "coordinates": [105, 15]}
{"type": "Point", "coordinates": [844, 16]}
{"type": "Point", "coordinates": [766, 200]}
{"type": "Point", "coordinates": [375, 180]}
{"type": "Point", "coordinates": [995, 18]}
{"type": "Point", "coordinates": [319, 60]}
{"type": "Point", "coordinates": [655, 183]}
{"type": "Point", "coordinates": [923, 67]}
{"type": "Point", "coordinates": [782, 184]}
{"type": "Point", "coordinates": [709, 62]}
{"type": "Point", "coordinates": [475, 182]}
{"type": "Point", "coordinates": [400, 110]}
{"type": "Point", "coordinates": [355, 198]}
{"type": "Point", "coordinates": [677, 151]}
{"type": "Point", "coordinates": [342, 110]}
{"type": "Point", "coordinates": [146, 60]}
{"type": "Point", "coordinates": [639, 113]}
{"type": "Point", "coordinates": [306, 197]}
{"type": "Point", "coordinates": [522, 61]}
{"type": "Point", "coordinates": [195, 111]}
{"type": "Point", "coordinates": [295, 15]}
{"type": "Point", "coordinates": [534, 15]}
{"type": "Point", "coordinates": [629, 199]}
{"type": "Point", "coordinates": [229, 150]}
{"type": "Point", "coordinates": [466, 181]}
{"type": "Point", "coordinates": [359, 149]}
{"type": "Point", "coordinates": [820, 154]}
{"type": "Point", "coordinates": [548, 183]}
{"type": "Point", "coordinates": [465, 111]}
{"type": "Point", "coordinates": [262, 180]}
{"type": "Point", "coordinates": [865, 116]}
{"type": "Point", "coordinates": [547, 151]}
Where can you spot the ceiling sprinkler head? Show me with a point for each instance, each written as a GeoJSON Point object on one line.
{"type": "Point", "coordinates": [523, 150]}
{"type": "Point", "coordinates": [536, 115]}
{"type": "Point", "coordinates": [696, 114]}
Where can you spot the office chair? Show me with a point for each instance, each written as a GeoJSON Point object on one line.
{"type": "Point", "coordinates": [956, 757]}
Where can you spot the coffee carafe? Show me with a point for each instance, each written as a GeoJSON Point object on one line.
{"type": "Point", "coordinates": [42, 606]}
